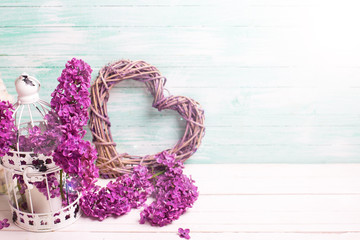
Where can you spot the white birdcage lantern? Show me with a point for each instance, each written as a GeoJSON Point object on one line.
{"type": "Point", "coordinates": [39, 194]}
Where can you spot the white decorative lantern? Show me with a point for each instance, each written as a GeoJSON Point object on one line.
{"type": "Point", "coordinates": [39, 194]}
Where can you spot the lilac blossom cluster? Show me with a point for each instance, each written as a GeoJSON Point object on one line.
{"type": "Point", "coordinates": [7, 127]}
{"type": "Point", "coordinates": [174, 193]}
{"type": "Point", "coordinates": [120, 196]}
{"type": "Point", "coordinates": [70, 101]}
{"type": "Point", "coordinates": [43, 141]}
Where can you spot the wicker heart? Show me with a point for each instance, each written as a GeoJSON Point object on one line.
{"type": "Point", "coordinates": [110, 162]}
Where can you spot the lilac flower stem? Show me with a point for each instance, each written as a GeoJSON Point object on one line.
{"type": "Point", "coordinates": [67, 195]}
{"type": "Point", "coordinates": [21, 192]}
{"type": "Point", "coordinates": [61, 185]}
{"type": "Point", "coordinates": [157, 174]}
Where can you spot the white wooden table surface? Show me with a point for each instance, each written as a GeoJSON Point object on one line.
{"type": "Point", "coordinates": [242, 201]}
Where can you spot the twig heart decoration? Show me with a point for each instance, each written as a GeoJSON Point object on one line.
{"type": "Point", "coordinates": [110, 162]}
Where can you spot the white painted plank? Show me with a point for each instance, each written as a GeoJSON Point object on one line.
{"type": "Point", "coordinates": [254, 201]}
{"type": "Point", "coordinates": [255, 213]}
{"type": "Point", "coordinates": [170, 236]}
{"type": "Point", "coordinates": [278, 213]}
{"type": "Point", "coordinates": [276, 178]}
{"type": "Point", "coordinates": [272, 179]}
{"type": "Point", "coordinates": [269, 178]}
{"type": "Point", "coordinates": [267, 204]}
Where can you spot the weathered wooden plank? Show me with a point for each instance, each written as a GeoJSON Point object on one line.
{"type": "Point", "coordinates": [214, 181]}
{"type": "Point", "coordinates": [305, 204]}
{"type": "Point", "coordinates": [276, 200]}
{"type": "Point", "coordinates": [249, 153]}
{"type": "Point", "coordinates": [85, 3]}
{"type": "Point", "coordinates": [237, 14]}
{"type": "Point", "coordinates": [173, 235]}
{"type": "Point", "coordinates": [279, 103]}
{"type": "Point", "coordinates": [265, 220]}
{"type": "Point", "coordinates": [252, 144]}
{"type": "Point", "coordinates": [181, 72]}
{"type": "Point", "coordinates": [272, 179]}
{"type": "Point", "coordinates": [301, 205]}
{"type": "Point", "coordinates": [54, 63]}
{"type": "Point", "coordinates": [238, 101]}
{"type": "Point", "coordinates": [257, 213]}
{"type": "Point", "coordinates": [123, 41]}
{"type": "Point", "coordinates": [222, 47]}
{"type": "Point", "coordinates": [168, 131]}
{"type": "Point", "coordinates": [263, 136]}
{"type": "Point", "coordinates": [126, 41]}
{"type": "Point", "coordinates": [321, 136]}
{"type": "Point", "coordinates": [270, 120]}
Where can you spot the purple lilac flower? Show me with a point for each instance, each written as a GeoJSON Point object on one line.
{"type": "Point", "coordinates": [4, 223]}
{"type": "Point", "coordinates": [43, 141]}
{"type": "Point", "coordinates": [24, 143]}
{"type": "Point", "coordinates": [118, 197]}
{"type": "Point", "coordinates": [174, 193]}
{"type": "Point", "coordinates": [54, 186]}
{"type": "Point", "coordinates": [184, 233]}
{"type": "Point", "coordinates": [7, 127]}
{"type": "Point", "coordinates": [70, 100]}
{"type": "Point", "coordinates": [71, 97]}
{"type": "Point", "coordinates": [20, 183]}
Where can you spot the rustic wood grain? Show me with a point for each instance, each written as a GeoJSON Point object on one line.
{"type": "Point", "coordinates": [279, 81]}
{"type": "Point", "coordinates": [243, 201]}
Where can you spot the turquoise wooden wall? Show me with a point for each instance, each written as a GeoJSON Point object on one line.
{"type": "Point", "coordinates": [279, 80]}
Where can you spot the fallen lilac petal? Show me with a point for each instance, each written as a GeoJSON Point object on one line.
{"type": "Point", "coordinates": [184, 233]}
{"type": "Point", "coordinates": [4, 223]}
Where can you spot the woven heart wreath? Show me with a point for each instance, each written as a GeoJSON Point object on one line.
{"type": "Point", "coordinates": [110, 162]}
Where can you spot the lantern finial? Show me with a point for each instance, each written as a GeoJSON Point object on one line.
{"type": "Point", "coordinates": [27, 88]}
